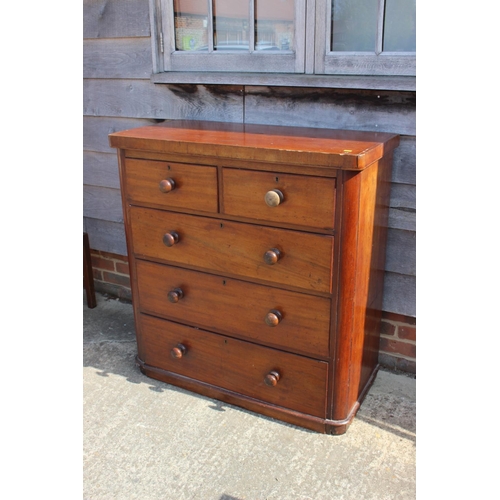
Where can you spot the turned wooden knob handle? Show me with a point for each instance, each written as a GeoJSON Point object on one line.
{"type": "Point", "coordinates": [273, 317]}
{"type": "Point", "coordinates": [272, 378]}
{"type": "Point", "coordinates": [273, 198]}
{"type": "Point", "coordinates": [272, 256]}
{"type": "Point", "coordinates": [178, 351]}
{"type": "Point", "coordinates": [167, 185]}
{"type": "Point", "coordinates": [170, 238]}
{"type": "Point", "coordinates": [175, 295]}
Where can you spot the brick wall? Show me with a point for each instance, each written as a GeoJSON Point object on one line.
{"type": "Point", "coordinates": [398, 342]}
{"type": "Point", "coordinates": [398, 333]}
{"type": "Point", "coordinates": [111, 274]}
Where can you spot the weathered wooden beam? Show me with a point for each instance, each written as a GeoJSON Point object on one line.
{"type": "Point", "coordinates": [399, 294]}
{"type": "Point", "coordinates": [401, 252]}
{"type": "Point", "coordinates": [100, 169]}
{"type": "Point", "coordinates": [402, 218]}
{"type": "Point", "coordinates": [398, 83]}
{"type": "Point", "coordinates": [115, 18]}
{"type": "Point", "coordinates": [97, 128]}
{"type": "Point", "coordinates": [117, 58]}
{"type": "Point", "coordinates": [106, 236]}
{"type": "Point", "coordinates": [102, 203]}
{"type": "Point", "coordinates": [382, 111]}
{"type": "Point", "coordinates": [141, 99]}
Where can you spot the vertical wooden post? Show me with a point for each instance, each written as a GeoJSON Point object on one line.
{"type": "Point", "coordinates": [88, 277]}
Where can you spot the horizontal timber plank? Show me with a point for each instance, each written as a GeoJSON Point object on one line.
{"type": "Point", "coordinates": [102, 203]}
{"type": "Point", "coordinates": [404, 168]}
{"type": "Point", "coordinates": [101, 169]}
{"type": "Point", "coordinates": [403, 196]}
{"type": "Point", "coordinates": [399, 294]}
{"type": "Point", "coordinates": [117, 58]}
{"type": "Point", "coordinates": [97, 128]}
{"type": "Point", "coordinates": [401, 252]}
{"type": "Point", "coordinates": [381, 111]}
{"type": "Point", "coordinates": [401, 83]}
{"type": "Point", "coordinates": [106, 236]}
{"type": "Point", "coordinates": [115, 18]}
{"type": "Point", "coordinates": [402, 218]}
{"type": "Point", "coordinates": [142, 99]}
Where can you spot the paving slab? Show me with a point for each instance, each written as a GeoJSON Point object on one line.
{"type": "Point", "coordinates": [144, 439]}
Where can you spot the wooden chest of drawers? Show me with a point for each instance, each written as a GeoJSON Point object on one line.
{"type": "Point", "coordinates": [257, 261]}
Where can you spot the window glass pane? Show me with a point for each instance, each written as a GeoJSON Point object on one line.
{"type": "Point", "coordinates": [354, 25]}
{"type": "Point", "coordinates": [231, 24]}
{"type": "Point", "coordinates": [274, 25]}
{"type": "Point", "coordinates": [399, 26]}
{"type": "Point", "coordinates": [191, 24]}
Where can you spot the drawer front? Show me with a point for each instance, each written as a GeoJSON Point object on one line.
{"type": "Point", "coordinates": [307, 201]}
{"type": "Point", "coordinates": [305, 259]}
{"type": "Point", "coordinates": [236, 365]}
{"type": "Point", "coordinates": [194, 186]}
{"type": "Point", "coordinates": [288, 320]}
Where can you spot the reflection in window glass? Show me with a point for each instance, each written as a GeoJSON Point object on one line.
{"type": "Point", "coordinates": [399, 26]}
{"type": "Point", "coordinates": [231, 24]}
{"type": "Point", "coordinates": [191, 24]}
{"type": "Point", "coordinates": [232, 19]}
{"type": "Point", "coordinates": [354, 25]}
{"type": "Point", "coordinates": [274, 28]}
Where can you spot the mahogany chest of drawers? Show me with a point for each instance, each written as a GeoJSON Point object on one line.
{"type": "Point", "coordinates": [257, 262]}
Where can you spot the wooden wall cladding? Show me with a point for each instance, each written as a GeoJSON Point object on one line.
{"type": "Point", "coordinates": [118, 94]}
{"type": "Point", "coordinates": [404, 166]}
{"type": "Point", "coordinates": [400, 294]}
{"type": "Point", "coordinates": [106, 236]}
{"type": "Point", "coordinates": [102, 203]}
{"type": "Point", "coordinates": [100, 169]}
{"type": "Point", "coordinates": [115, 18]}
{"type": "Point", "coordinates": [380, 111]}
{"type": "Point", "coordinates": [142, 99]}
{"type": "Point", "coordinates": [96, 130]}
{"type": "Point", "coordinates": [117, 58]}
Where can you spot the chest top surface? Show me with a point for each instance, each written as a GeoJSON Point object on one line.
{"type": "Point", "coordinates": [344, 149]}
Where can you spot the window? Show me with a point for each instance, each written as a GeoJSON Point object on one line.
{"type": "Point", "coordinates": [337, 37]}
{"type": "Point", "coordinates": [217, 35]}
{"type": "Point", "coordinates": [366, 37]}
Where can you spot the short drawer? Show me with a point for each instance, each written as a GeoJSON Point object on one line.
{"type": "Point", "coordinates": [174, 185]}
{"type": "Point", "coordinates": [276, 377]}
{"type": "Point", "coordinates": [271, 316]}
{"type": "Point", "coordinates": [279, 256]}
{"type": "Point", "coordinates": [277, 197]}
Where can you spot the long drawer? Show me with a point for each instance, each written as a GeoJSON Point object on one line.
{"type": "Point", "coordinates": [278, 256]}
{"type": "Point", "coordinates": [278, 197]}
{"type": "Point", "coordinates": [270, 316]}
{"type": "Point", "coordinates": [266, 374]}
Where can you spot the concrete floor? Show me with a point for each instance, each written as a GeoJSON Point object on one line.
{"type": "Point", "coordinates": [149, 440]}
